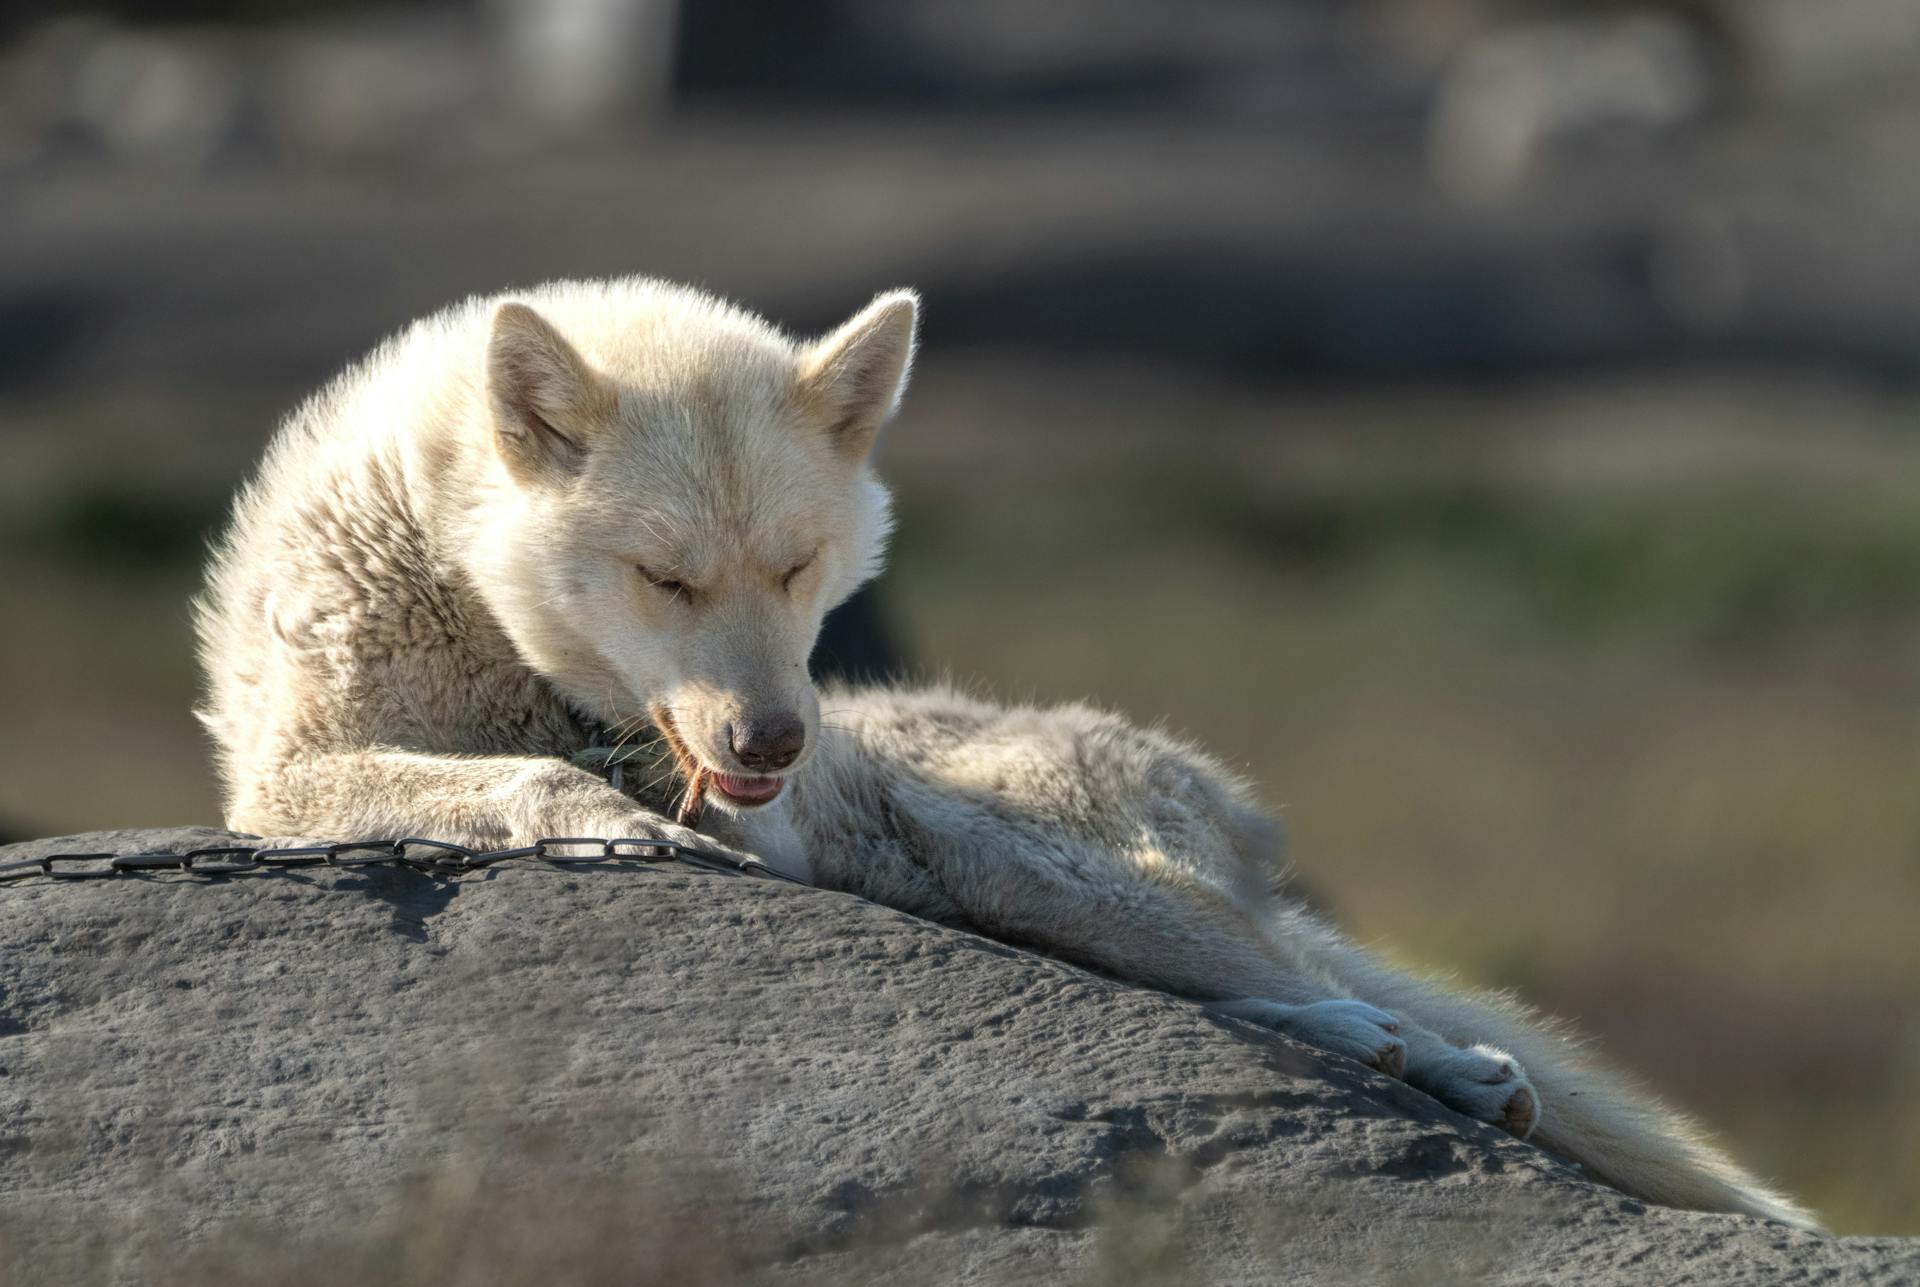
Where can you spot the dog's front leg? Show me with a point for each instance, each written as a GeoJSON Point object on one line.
{"type": "Point", "coordinates": [480, 801]}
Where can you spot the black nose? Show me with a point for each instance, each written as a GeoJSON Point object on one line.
{"type": "Point", "coordinates": [769, 743]}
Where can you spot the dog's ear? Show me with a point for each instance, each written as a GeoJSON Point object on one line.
{"type": "Point", "coordinates": [546, 400]}
{"type": "Point", "coordinates": [852, 380]}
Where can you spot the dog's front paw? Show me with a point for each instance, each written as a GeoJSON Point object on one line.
{"type": "Point", "coordinates": [1486, 1084]}
{"type": "Point", "coordinates": [1351, 1028]}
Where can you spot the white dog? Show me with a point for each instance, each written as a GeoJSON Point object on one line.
{"type": "Point", "coordinates": [541, 521]}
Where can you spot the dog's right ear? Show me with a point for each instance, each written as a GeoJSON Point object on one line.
{"type": "Point", "coordinates": [546, 400]}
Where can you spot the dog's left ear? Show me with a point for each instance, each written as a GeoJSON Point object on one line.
{"type": "Point", "coordinates": [853, 379]}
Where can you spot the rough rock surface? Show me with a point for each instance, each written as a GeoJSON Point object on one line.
{"type": "Point", "coordinates": [824, 1087]}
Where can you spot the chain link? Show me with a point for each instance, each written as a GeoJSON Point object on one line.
{"type": "Point", "coordinates": [435, 857]}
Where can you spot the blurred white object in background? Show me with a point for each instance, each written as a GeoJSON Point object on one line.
{"type": "Point", "coordinates": [574, 63]}
{"type": "Point", "coordinates": [1512, 93]}
{"type": "Point", "coordinates": [172, 95]}
{"type": "Point", "coordinates": [145, 93]}
{"type": "Point", "coordinates": [374, 82]}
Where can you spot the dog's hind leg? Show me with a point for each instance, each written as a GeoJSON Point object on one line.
{"type": "Point", "coordinates": [1169, 931]}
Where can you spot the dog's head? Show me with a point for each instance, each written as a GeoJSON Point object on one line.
{"type": "Point", "coordinates": [682, 493]}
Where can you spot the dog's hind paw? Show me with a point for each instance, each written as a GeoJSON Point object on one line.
{"type": "Point", "coordinates": [1486, 1084]}
{"type": "Point", "coordinates": [1350, 1028]}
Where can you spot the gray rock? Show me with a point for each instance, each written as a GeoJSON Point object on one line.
{"type": "Point", "coordinates": [624, 1074]}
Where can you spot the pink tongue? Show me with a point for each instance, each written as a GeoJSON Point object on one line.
{"type": "Point", "coordinates": [747, 788]}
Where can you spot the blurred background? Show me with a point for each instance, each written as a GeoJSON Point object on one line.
{"type": "Point", "coordinates": [1490, 425]}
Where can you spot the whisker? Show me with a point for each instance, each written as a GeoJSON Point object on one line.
{"type": "Point", "coordinates": [640, 749]}
{"type": "Point", "coordinates": [656, 783]}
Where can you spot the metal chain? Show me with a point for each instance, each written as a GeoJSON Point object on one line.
{"type": "Point", "coordinates": [435, 857]}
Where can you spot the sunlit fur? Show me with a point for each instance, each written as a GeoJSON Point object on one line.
{"type": "Point", "coordinates": [434, 593]}
{"type": "Point", "coordinates": [446, 572]}
{"type": "Point", "coordinates": [1086, 837]}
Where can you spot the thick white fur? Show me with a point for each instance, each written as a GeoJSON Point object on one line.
{"type": "Point", "coordinates": [1121, 848]}
{"type": "Point", "coordinates": [535, 517]}
{"type": "Point", "coordinates": [454, 562]}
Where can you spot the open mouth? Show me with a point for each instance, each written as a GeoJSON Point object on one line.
{"type": "Point", "coordinates": [745, 790]}
{"type": "Point", "coordinates": [738, 788]}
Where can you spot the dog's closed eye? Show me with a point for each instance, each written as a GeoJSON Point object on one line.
{"type": "Point", "coordinates": [786, 582]}
{"type": "Point", "coordinates": [666, 584]}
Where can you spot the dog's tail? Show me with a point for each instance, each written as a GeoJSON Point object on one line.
{"type": "Point", "coordinates": [1618, 1135]}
